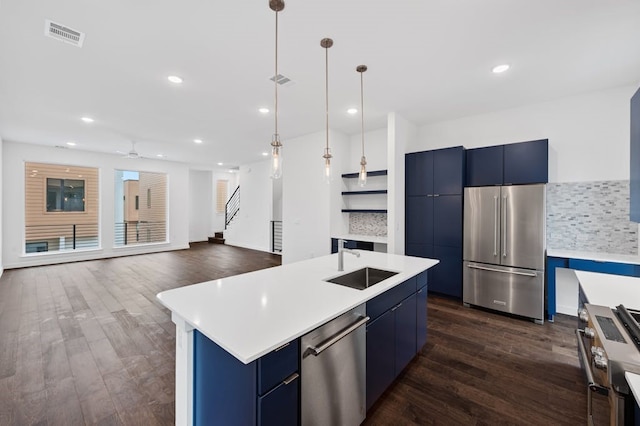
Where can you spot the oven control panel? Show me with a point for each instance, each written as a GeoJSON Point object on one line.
{"type": "Point", "coordinates": [609, 329]}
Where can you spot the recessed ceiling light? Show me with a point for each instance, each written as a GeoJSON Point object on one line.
{"type": "Point", "coordinates": [174, 79]}
{"type": "Point", "coordinates": [231, 171]}
{"type": "Point", "coordinates": [352, 110]}
{"type": "Point", "coordinates": [197, 140]}
{"type": "Point", "coordinates": [219, 164]}
{"type": "Point", "coordinates": [87, 119]}
{"type": "Point", "coordinates": [71, 143]}
{"type": "Point", "coordinates": [160, 155]}
{"type": "Point", "coordinates": [265, 154]}
{"type": "Point", "coordinates": [500, 68]}
{"type": "Point", "coordinates": [264, 110]}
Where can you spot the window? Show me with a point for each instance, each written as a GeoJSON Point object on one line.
{"type": "Point", "coordinates": [61, 208]}
{"type": "Point", "coordinates": [65, 195]}
{"type": "Point", "coordinates": [135, 225]}
{"type": "Point", "coordinates": [221, 195]}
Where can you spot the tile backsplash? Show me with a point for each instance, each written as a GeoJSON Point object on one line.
{"type": "Point", "coordinates": [368, 224]}
{"type": "Point", "coordinates": [591, 217]}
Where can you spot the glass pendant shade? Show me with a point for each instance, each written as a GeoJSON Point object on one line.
{"type": "Point", "coordinates": [276, 158]}
{"type": "Point", "coordinates": [327, 166]}
{"type": "Point", "coordinates": [362, 176]}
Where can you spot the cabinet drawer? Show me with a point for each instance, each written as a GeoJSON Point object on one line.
{"type": "Point", "coordinates": [390, 298]}
{"type": "Point", "coordinates": [276, 366]}
{"type": "Point", "coordinates": [280, 406]}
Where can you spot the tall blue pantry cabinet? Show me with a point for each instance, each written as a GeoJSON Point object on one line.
{"type": "Point", "coordinates": [434, 182]}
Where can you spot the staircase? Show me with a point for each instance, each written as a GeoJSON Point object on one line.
{"type": "Point", "coordinates": [218, 238]}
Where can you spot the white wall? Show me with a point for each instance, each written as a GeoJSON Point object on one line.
{"type": "Point", "coordinates": [13, 159]}
{"type": "Point", "coordinates": [309, 204]}
{"type": "Point", "coordinates": [588, 134]}
{"type": "Point", "coordinates": [251, 227]}
{"type": "Point", "coordinates": [400, 133]}
{"type": "Point", "coordinates": [201, 204]}
{"type": "Point", "coordinates": [1, 205]}
{"type": "Point", "coordinates": [375, 149]}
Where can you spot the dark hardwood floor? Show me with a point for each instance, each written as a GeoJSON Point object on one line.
{"type": "Point", "coordinates": [87, 343]}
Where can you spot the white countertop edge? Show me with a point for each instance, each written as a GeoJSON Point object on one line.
{"type": "Point", "coordinates": [365, 295]}
{"type": "Point", "coordinates": [610, 290]}
{"type": "Point", "coordinates": [634, 384]}
{"type": "Point", "coordinates": [598, 257]}
{"type": "Point", "coordinates": [358, 237]}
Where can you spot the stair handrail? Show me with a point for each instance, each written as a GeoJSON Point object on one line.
{"type": "Point", "coordinates": [232, 207]}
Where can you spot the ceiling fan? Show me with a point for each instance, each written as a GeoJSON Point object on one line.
{"type": "Point", "coordinates": [133, 153]}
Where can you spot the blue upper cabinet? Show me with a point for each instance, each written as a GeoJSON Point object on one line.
{"type": "Point", "coordinates": [448, 171]}
{"type": "Point", "coordinates": [635, 157]}
{"type": "Point", "coordinates": [484, 166]}
{"type": "Point", "coordinates": [419, 173]}
{"type": "Point", "coordinates": [437, 172]}
{"type": "Point", "coordinates": [526, 162]}
{"type": "Point", "coordinates": [511, 164]}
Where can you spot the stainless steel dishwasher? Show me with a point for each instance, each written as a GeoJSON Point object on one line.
{"type": "Point", "coordinates": [333, 385]}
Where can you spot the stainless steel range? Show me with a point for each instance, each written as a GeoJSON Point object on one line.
{"type": "Point", "coordinates": [609, 345]}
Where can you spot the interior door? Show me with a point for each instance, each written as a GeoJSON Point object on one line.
{"type": "Point", "coordinates": [523, 226]}
{"type": "Point", "coordinates": [481, 224]}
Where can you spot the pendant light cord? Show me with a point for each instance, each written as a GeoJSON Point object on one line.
{"type": "Point", "coordinates": [275, 77]}
{"type": "Point", "coordinates": [362, 110]}
{"type": "Point", "coordinates": [326, 90]}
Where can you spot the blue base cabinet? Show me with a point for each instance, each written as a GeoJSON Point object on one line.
{"type": "Point", "coordinates": [396, 332]}
{"type": "Point", "coordinates": [226, 391]}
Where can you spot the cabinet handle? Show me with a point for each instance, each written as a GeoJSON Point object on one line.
{"type": "Point", "coordinates": [429, 195]}
{"type": "Point", "coordinates": [291, 378]}
{"type": "Point", "coordinates": [484, 268]}
{"type": "Point", "coordinates": [317, 350]}
{"type": "Point", "coordinates": [282, 347]}
{"type": "Point", "coordinates": [436, 195]}
{"type": "Point", "coordinates": [396, 307]}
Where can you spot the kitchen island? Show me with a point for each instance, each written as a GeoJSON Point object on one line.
{"type": "Point", "coordinates": [247, 319]}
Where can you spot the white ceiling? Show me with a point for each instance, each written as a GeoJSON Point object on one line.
{"type": "Point", "coordinates": [428, 61]}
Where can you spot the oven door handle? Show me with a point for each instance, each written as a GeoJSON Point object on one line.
{"type": "Point", "coordinates": [593, 386]}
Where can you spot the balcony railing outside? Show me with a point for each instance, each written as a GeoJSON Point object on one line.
{"type": "Point", "coordinates": [276, 236]}
{"type": "Point", "coordinates": [130, 233]}
{"type": "Point", "coordinates": [51, 238]}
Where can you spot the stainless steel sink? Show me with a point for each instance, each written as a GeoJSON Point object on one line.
{"type": "Point", "coordinates": [362, 278]}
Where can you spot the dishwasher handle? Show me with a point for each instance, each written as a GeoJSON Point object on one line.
{"type": "Point", "coordinates": [317, 350]}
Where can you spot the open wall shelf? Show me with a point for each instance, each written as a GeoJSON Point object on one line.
{"type": "Point", "coordinates": [364, 210]}
{"type": "Point", "coordinates": [377, 191]}
{"type": "Point", "coordinates": [369, 174]}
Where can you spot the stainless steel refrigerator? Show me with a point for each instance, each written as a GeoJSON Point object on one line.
{"type": "Point", "coordinates": [504, 248]}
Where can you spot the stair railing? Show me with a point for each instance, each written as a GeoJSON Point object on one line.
{"type": "Point", "coordinates": [232, 207]}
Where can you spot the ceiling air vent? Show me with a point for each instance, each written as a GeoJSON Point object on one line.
{"type": "Point", "coordinates": [63, 33]}
{"type": "Point", "coordinates": [282, 80]}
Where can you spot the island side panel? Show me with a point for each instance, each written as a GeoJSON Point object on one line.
{"type": "Point", "coordinates": [184, 372]}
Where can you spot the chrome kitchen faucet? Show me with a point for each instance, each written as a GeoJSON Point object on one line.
{"type": "Point", "coordinates": [341, 250]}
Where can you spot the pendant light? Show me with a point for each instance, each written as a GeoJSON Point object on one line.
{"type": "Point", "coordinates": [276, 145]}
{"type": "Point", "coordinates": [362, 177]}
{"type": "Point", "coordinates": [326, 43]}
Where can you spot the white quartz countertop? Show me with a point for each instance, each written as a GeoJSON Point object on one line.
{"type": "Point", "coordinates": [358, 237]}
{"type": "Point", "coordinates": [250, 315]}
{"type": "Point", "coordinates": [610, 290]}
{"type": "Point", "coordinates": [598, 257]}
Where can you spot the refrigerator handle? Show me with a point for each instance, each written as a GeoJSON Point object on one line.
{"type": "Point", "coordinates": [495, 225]}
{"type": "Point", "coordinates": [504, 226]}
